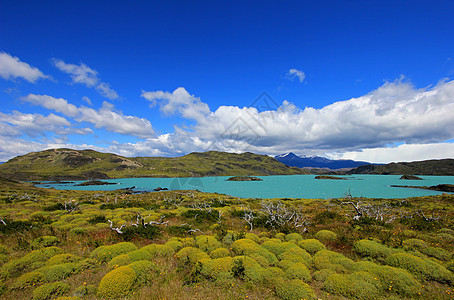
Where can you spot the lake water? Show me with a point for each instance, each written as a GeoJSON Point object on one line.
{"type": "Point", "coordinates": [280, 186]}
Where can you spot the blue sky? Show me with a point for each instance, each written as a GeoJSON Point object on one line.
{"type": "Point", "coordinates": [369, 80]}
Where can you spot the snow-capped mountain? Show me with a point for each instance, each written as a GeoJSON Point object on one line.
{"type": "Point", "coordinates": [303, 161]}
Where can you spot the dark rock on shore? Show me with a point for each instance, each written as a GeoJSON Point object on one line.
{"type": "Point", "coordinates": [440, 187]}
{"type": "Point", "coordinates": [160, 189]}
{"type": "Point", "coordinates": [244, 178]}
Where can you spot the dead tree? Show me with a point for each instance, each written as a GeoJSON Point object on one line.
{"type": "Point", "coordinates": [117, 229]}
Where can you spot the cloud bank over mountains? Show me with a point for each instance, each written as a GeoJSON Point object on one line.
{"type": "Point", "coordinates": [418, 122]}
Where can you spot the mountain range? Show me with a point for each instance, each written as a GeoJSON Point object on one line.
{"type": "Point", "coordinates": [303, 161]}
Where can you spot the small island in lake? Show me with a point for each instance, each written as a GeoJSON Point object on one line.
{"type": "Point", "coordinates": [94, 182]}
{"type": "Point", "coordinates": [244, 178]}
{"type": "Point", "coordinates": [410, 177]}
{"type": "Point", "coordinates": [329, 177]}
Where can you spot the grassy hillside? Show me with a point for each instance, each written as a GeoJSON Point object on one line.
{"type": "Point", "coordinates": [68, 164]}
{"type": "Point", "coordinates": [426, 167]}
{"type": "Point", "coordinates": [193, 245]}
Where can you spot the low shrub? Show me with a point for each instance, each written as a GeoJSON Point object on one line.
{"type": "Point", "coordinates": [49, 290]}
{"type": "Point", "coordinates": [62, 258]}
{"type": "Point", "coordinates": [106, 253]}
{"type": "Point", "coordinates": [44, 241]}
{"type": "Point", "coordinates": [299, 271]}
{"type": "Point", "coordinates": [85, 290]}
{"type": "Point", "coordinates": [207, 243]}
{"type": "Point", "coordinates": [127, 258]}
{"type": "Point", "coordinates": [247, 268]}
{"type": "Point", "coordinates": [119, 282]}
{"type": "Point", "coordinates": [326, 236]}
{"type": "Point", "coordinates": [271, 274]}
{"type": "Point", "coordinates": [437, 252]}
{"type": "Point", "coordinates": [219, 268]}
{"type": "Point", "coordinates": [219, 253]}
{"type": "Point", "coordinates": [159, 250]}
{"type": "Point", "coordinates": [278, 247]}
{"type": "Point", "coordinates": [248, 247]}
{"type": "Point", "coordinates": [421, 267]}
{"type": "Point", "coordinates": [201, 216]}
{"type": "Point", "coordinates": [252, 236]}
{"type": "Point", "coordinates": [175, 245]}
{"type": "Point", "coordinates": [294, 289]}
{"type": "Point", "coordinates": [31, 261]}
{"type": "Point", "coordinates": [323, 274]}
{"type": "Point", "coordinates": [295, 237]}
{"type": "Point", "coordinates": [311, 245]}
{"type": "Point", "coordinates": [296, 254]}
{"type": "Point", "coordinates": [191, 255]}
{"type": "Point", "coordinates": [57, 272]}
{"type": "Point", "coordinates": [358, 285]}
{"type": "Point", "coordinates": [27, 280]}
{"type": "Point", "coordinates": [148, 232]}
{"type": "Point", "coordinates": [326, 259]}
{"type": "Point", "coordinates": [373, 249]}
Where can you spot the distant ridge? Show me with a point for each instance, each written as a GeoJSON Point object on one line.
{"type": "Point", "coordinates": [303, 161]}
{"type": "Point", "coordinates": [426, 167]}
{"type": "Point", "coordinates": [69, 164]}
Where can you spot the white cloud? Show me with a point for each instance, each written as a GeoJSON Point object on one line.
{"type": "Point", "coordinates": [115, 121]}
{"type": "Point", "coordinates": [11, 67]}
{"type": "Point", "coordinates": [85, 75]}
{"type": "Point", "coordinates": [405, 152]}
{"type": "Point", "coordinates": [295, 73]}
{"type": "Point", "coordinates": [57, 104]}
{"type": "Point", "coordinates": [87, 100]}
{"type": "Point", "coordinates": [33, 124]}
{"type": "Point", "coordinates": [106, 117]}
{"type": "Point", "coordinates": [179, 101]}
{"type": "Point", "coordinates": [105, 90]}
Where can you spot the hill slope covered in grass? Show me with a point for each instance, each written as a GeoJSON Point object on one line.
{"type": "Point", "coordinates": [68, 164]}
{"type": "Point", "coordinates": [426, 167]}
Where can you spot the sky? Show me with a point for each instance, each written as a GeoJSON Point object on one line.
{"type": "Point", "coordinates": [363, 80]}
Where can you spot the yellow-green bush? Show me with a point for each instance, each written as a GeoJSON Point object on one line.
{"type": "Point", "coordinates": [57, 272]}
{"type": "Point", "coordinates": [219, 253]}
{"type": "Point", "coordinates": [294, 289]}
{"type": "Point", "coordinates": [49, 290]}
{"type": "Point", "coordinates": [296, 254]}
{"type": "Point", "coordinates": [391, 279]}
{"type": "Point", "coordinates": [175, 245]}
{"type": "Point", "coordinates": [326, 236]}
{"type": "Point", "coordinates": [62, 258]}
{"type": "Point", "coordinates": [252, 236]}
{"type": "Point", "coordinates": [358, 285]}
{"type": "Point", "coordinates": [277, 248]}
{"type": "Point", "coordinates": [159, 250]}
{"type": "Point", "coordinates": [248, 268]}
{"type": "Point", "coordinates": [323, 274]}
{"type": "Point", "coordinates": [299, 271]}
{"type": "Point", "coordinates": [127, 258]}
{"type": "Point", "coordinates": [85, 290]}
{"type": "Point", "coordinates": [31, 261]}
{"type": "Point", "coordinates": [119, 282]}
{"type": "Point", "coordinates": [280, 236]}
{"type": "Point", "coordinates": [191, 255]}
{"type": "Point", "coordinates": [414, 244]}
{"type": "Point", "coordinates": [28, 279]}
{"type": "Point", "coordinates": [420, 267]}
{"type": "Point", "coordinates": [311, 245]}
{"type": "Point", "coordinates": [44, 241]}
{"type": "Point", "coordinates": [296, 237]}
{"type": "Point", "coordinates": [248, 247]}
{"type": "Point", "coordinates": [219, 268]}
{"type": "Point", "coordinates": [271, 274]}
{"type": "Point", "coordinates": [373, 249]}
{"type": "Point", "coordinates": [207, 243]}
{"type": "Point", "coordinates": [326, 259]}
{"type": "Point", "coordinates": [106, 253]}
{"type": "Point", "coordinates": [437, 252]}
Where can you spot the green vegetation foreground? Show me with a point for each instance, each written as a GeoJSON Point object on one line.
{"type": "Point", "coordinates": [192, 245]}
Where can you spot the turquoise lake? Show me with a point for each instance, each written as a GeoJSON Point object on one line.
{"type": "Point", "coordinates": [279, 186]}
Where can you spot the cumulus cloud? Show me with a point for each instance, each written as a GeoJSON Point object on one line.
{"type": "Point", "coordinates": [106, 117]}
{"type": "Point", "coordinates": [179, 101]}
{"type": "Point", "coordinates": [57, 104]}
{"type": "Point", "coordinates": [11, 67]}
{"type": "Point", "coordinates": [295, 73]}
{"type": "Point", "coordinates": [83, 74]}
{"type": "Point", "coordinates": [33, 125]}
{"type": "Point", "coordinates": [405, 152]}
{"type": "Point", "coordinates": [115, 121]}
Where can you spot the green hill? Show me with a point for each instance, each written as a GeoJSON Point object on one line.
{"type": "Point", "coordinates": [69, 164]}
{"type": "Point", "coordinates": [426, 167]}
